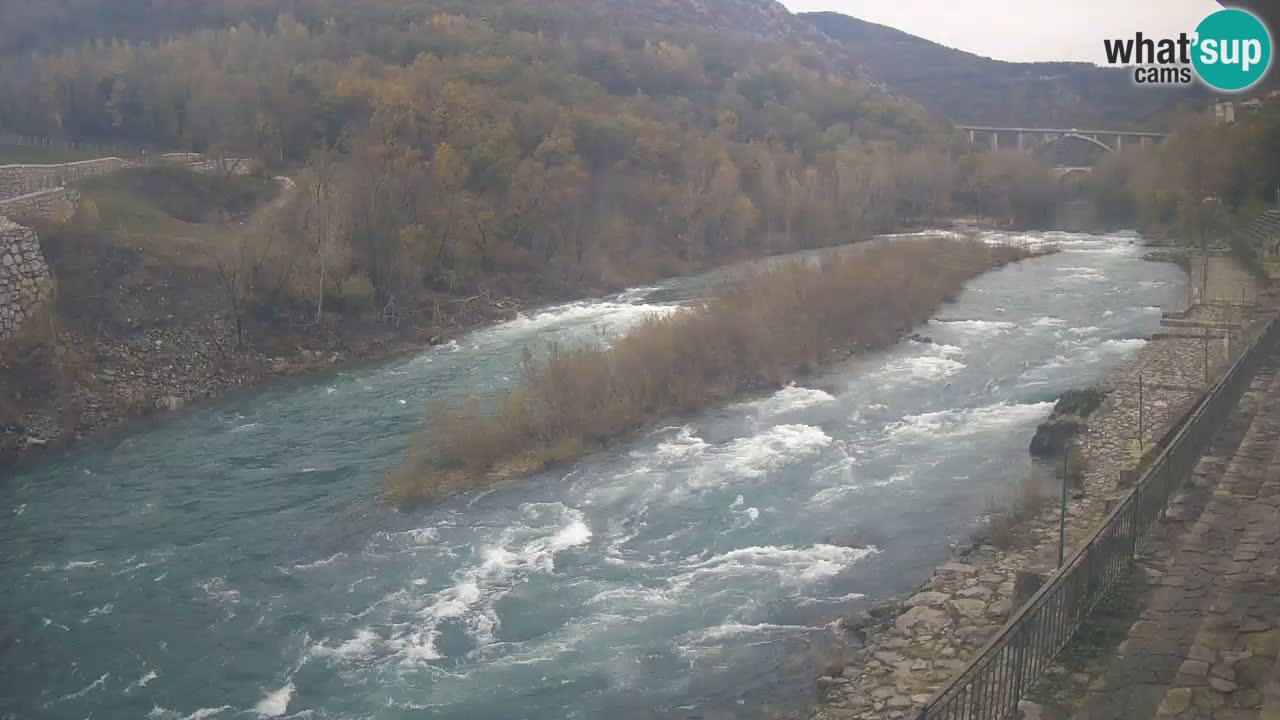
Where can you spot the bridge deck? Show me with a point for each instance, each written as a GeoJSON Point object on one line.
{"type": "Point", "coordinates": [1124, 133]}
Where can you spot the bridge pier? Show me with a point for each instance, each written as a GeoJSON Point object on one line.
{"type": "Point", "coordinates": [995, 141]}
{"type": "Point", "coordinates": [1020, 143]}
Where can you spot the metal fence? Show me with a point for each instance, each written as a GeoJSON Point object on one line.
{"type": "Point", "coordinates": [87, 148]}
{"type": "Point", "coordinates": [993, 682]}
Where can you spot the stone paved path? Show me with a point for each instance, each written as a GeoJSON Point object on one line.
{"type": "Point", "coordinates": [1205, 646]}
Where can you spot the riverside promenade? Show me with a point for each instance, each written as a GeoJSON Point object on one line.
{"type": "Point", "coordinates": [1205, 637]}
{"type": "Point", "coordinates": [911, 646]}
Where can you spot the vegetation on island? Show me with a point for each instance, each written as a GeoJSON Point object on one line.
{"type": "Point", "coordinates": [760, 331]}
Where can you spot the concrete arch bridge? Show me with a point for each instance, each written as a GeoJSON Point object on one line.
{"type": "Point", "coordinates": [1030, 139]}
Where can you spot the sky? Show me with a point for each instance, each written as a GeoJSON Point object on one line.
{"type": "Point", "coordinates": [1025, 30]}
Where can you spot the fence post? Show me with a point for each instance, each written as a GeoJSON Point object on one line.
{"type": "Point", "coordinates": [1062, 514]}
{"type": "Point", "coordinates": [1141, 441]}
{"type": "Point", "coordinates": [1133, 527]}
{"type": "Point", "coordinates": [1206, 355]}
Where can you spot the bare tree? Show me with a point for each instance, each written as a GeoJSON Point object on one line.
{"type": "Point", "coordinates": [242, 260]}
{"type": "Point", "coordinates": [321, 221]}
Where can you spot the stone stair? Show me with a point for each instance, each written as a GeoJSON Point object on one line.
{"type": "Point", "coordinates": [1263, 233]}
{"type": "Point", "coordinates": [1205, 645]}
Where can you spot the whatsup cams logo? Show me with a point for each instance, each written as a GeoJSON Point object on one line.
{"type": "Point", "coordinates": [1229, 51]}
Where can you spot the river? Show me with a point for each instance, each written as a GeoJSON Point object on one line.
{"type": "Point", "coordinates": [235, 560]}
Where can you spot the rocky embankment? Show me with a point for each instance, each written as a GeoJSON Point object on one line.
{"type": "Point", "coordinates": [163, 369]}
{"type": "Point", "coordinates": [910, 646]}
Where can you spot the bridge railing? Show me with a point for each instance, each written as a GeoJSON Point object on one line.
{"type": "Point", "coordinates": [990, 686]}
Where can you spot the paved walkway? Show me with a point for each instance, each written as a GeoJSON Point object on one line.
{"type": "Point", "coordinates": [1205, 646]}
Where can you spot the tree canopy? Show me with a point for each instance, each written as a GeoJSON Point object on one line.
{"type": "Point", "coordinates": [443, 143]}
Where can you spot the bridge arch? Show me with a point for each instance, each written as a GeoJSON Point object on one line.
{"type": "Point", "coordinates": [1074, 136]}
{"type": "Point", "coordinates": [1063, 171]}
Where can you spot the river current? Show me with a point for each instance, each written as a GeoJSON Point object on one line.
{"type": "Point", "coordinates": [235, 560]}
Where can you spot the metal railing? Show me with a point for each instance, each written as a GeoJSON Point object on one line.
{"type": "Point", "coordinates": [88, 148]}
{"type": "Point", "coordinates": [992, 683]}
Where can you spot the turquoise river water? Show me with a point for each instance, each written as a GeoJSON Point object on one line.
{"type": "Point", "coordinates": [235, 561]}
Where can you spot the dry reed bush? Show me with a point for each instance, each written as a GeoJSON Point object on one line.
{"type": "Point", "coordinates": [760, 331]}
{"type": "Point", "coordinates": [1008, 517]}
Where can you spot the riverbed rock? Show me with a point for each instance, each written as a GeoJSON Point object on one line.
{"type": "Point", "coordinates": [1079, 403]}
{"type": "Point", "coordinates": [970, 610]}
{"type": "Point", "coordinates": [857, 620]}
{"type": "Point", "coordinates": [1054, 434]}
{"type": "Point", "coordinates": [921, 617]}
{"type": "Point", "coordinates": [976, 592]}
{"type": "Point", "coordinates": [929, 599]}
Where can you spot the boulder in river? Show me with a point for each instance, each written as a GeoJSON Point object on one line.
{"type": "Point", "coordinates": [1066, 421]}
{"type": "Point", "coordinates": [1080, 403]}
{"type": "Point", "coordinates": [1054, 434]}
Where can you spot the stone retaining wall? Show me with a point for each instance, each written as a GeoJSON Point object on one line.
{"type": "Point", "coordinates": [55, 203]}
{"type": "Point", "coordinates": [25, 281]}
{"type": "Point", "coordinates": [22, 180]}
{"type": "Point", "coordinates": [18, 180]}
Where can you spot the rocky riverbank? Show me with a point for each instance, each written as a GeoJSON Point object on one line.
{"type": "Point", "coordinates": [164, 369]}
{"type": "Point", "coordinates": [910, 646]}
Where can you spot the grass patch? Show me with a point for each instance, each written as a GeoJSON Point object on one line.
{"type": "Point", "coordinates": [1008, 515]}
{"type": "Point", "coordinates": [760, 331]}
{"type": "Point", "coordinates": [189, 196]}
{"type": "Point", "coordinates": [169, 213]}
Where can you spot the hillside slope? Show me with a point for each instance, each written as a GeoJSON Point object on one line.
{"type": "Point", "coordinates": [452, 158]}
{"type": "Point", "coordinates": [970, 89]}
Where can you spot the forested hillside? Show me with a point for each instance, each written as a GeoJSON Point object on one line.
{"type": "Point", "coordinates": [1205, 181]}
{"type": "Point", "coordinates": [969, 89]}
{"type": "Point", "coordinates": [442, 144]}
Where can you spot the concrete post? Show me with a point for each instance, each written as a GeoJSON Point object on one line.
{"type": "Point", "coordinates": [1119, 143]}
{"type": "Point", "coordinates": [971, 137]}
{"type": "Point", "coordinates": [995, 141]}
{"type": "Point", "coordinates": [1020, 144]}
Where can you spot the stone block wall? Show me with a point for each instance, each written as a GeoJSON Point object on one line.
{"type": "Point", "coordinates": [56, 203]}
{"type": "Point", "coordinates": [232, 167]}
{"type": "Point", "coordinates": [25, 280]}
{"type": "Point", "coordinates": [16, 180]}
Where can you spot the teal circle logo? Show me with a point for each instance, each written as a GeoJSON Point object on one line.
{"type": "Point", "coordinates": [1232, 50]}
